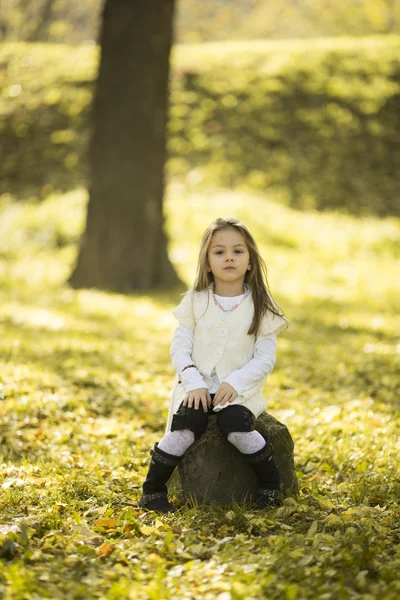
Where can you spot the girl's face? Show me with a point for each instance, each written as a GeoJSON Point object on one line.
{"type": "Point", "coordinates": [228, 259]}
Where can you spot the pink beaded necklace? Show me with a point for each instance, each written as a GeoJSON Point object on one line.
{"type": "Point", "coordinates": [246, 293]}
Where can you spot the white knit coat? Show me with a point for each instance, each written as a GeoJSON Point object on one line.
{"type": "Point", "coordinates": [222, 345]}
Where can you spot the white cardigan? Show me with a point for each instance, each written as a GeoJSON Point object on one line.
{"type": "Point", "coordinates": [262, 363]}
{"type": "Point", "coordinates": [224, 347]}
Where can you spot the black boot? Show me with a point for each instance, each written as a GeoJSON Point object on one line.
{"type": "Point", "coordinates": [154, 495]}
{"type": "Point", "coordinates": [268, 493]}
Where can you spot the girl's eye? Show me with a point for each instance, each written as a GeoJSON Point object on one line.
{"type": "Point", "coordinates": [239, 251]}
{"type": "Point", "coordinates": [218, 252]}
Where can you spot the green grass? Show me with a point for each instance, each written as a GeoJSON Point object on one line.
{"type": "Point", "coordinates": [313, 122]}
{"type": "Point", "coordinates": [243, 53]}
{"type": "Point", "coordinates": [85, 379]}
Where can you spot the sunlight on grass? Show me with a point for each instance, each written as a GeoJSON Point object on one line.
{"type": "Point", "coordinates": [309, 255]}
{"type": "Point", "coordinates": [209, 54]}
{"type": "Point", "coordinates": [85, 384]}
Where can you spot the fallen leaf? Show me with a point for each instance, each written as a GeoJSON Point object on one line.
{"type": "Point", "coordinates": [105, 549]}
{"type": "Point", "coordinates": [159, 524]}
{"type": "Point", "coordinates": [154, 558]}
{"type": "Point", "coordinates": [106, 522]}
{"type": "Point", "coordinates": [333, 521]}
{"type": "Point", "coordinates": [94, 541]}
{"type": "Point", "coordinates": [148, 530]}
{"type": "Point", "coordinates": [289, 502]}
{"type": "Point", "coordinates": [176, 529]}
{"type": "Point", "coordinates": [306, 560]}
{"type": "Point", "coordinates": [313, 529]}
{"type": "Point", "coordinates": [82, 530]}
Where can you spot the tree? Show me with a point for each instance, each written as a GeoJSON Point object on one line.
{"type": "Point", "coordinates": [124, 246]}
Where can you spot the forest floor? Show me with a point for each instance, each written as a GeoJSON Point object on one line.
{"type": "Point", "coordinates": [85, 380]}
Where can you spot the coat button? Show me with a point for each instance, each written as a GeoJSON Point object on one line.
{"type": "Point", "coordinates": [218, 353]}
{"type": "Point", "coordinates": [223, 332]}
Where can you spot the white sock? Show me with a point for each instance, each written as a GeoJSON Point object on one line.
{"type": "Point", "coordinates": [176, 442]}
{"type": "Point", "coordinates": [247, 442]}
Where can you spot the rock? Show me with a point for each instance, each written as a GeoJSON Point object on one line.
{"type": "Point", "coordinates": [213, 471]}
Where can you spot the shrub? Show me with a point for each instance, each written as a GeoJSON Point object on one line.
{"type": "Point", "coordinates": [314, 121]}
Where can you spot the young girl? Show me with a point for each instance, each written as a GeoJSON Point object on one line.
{"type": "Point", "coordinates": [222, 350]}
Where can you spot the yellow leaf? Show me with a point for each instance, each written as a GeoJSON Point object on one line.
{"type": "Point", "coordinates": [105, 549]}
{"type": "Point", "coordinates": [106, 522]}
{"type": "Point", "coordinates": [333, 521]}
{"type": "Point", "coordinates": [154, 558]}
{"type": "Point", "coordinates": [102, 509]}
{"type": "Point", "coordinates": [147, 530]}
{"type": "Point", "coordinates": [289, 502]}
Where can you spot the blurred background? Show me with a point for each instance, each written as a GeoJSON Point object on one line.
{"type": "Point", "coordinates": [72, 22]}
{"type": "Point", "coordinates": [313, 116]}
{"type": "Point", "coordinates": [289, 106]}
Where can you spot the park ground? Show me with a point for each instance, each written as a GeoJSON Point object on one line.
{"type": "Point", "coordinates": [85, 380]}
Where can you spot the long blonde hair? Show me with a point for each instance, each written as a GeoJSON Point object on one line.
{"type": "Point", "coordinates": [256, 278]}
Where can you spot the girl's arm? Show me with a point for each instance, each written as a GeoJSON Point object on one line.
{"type": "Point", "coordinates": [258, 368]}
{"type": "Point", "coordinates": [181, 357]}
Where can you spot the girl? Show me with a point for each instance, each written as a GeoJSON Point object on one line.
{"type": "Point", "coordinates": [222, 350]}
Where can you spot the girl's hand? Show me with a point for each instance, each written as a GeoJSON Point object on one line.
{"type": "Point", "coordinates": [224, 394]}
{"type": "Point", "coordinates": [197, 397]}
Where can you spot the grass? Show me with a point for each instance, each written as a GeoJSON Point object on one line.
{"type": "Point", "coordinates": [211, 54]}
{"type": "Point", "coordinates": [84, 384]}
{"type": "Point", "coordinates": [294, 105]}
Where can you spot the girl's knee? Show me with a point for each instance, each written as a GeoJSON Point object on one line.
{"type": "Point", "coordinates": [235, 418]}
{"type": "Point", "coordinates": [190, 418]}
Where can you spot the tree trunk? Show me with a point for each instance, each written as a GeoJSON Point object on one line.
{"type": "Point", "coordinates": [124, 247]}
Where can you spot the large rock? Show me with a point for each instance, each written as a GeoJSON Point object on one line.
{"type": "Point", "coordinates": [213, 471]}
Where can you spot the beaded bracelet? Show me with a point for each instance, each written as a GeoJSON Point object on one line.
{"type": "Point", "coordinates": [184, 369]}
